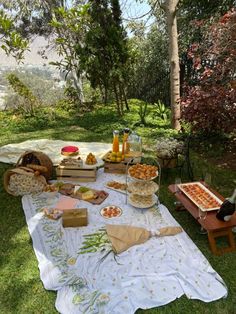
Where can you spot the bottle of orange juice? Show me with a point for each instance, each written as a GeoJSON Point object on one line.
{"type": "Point", "coordinates": [115, 144]}
{"type": "Point", "coordinates": [125, 146]}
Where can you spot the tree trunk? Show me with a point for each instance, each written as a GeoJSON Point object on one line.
{"type": "Point", "coordinates": [170, 7]}
{"type": "Point", "coordinates": [123, 93]}
{"type": "Point", "coordinates": [78, 85]}
{"type": "Point", "coordinates": [117, 99]}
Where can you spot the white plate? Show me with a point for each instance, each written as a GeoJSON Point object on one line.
{"type": "Point", "coordinates": [114, 189]}
{"type": "Point", "coordinates": [99, 163]}
{"type": "Point", "coordinates": [142, 188]}
{"type": "Point", "coordinates": [140, 205]}
{"type": "Point", "coordinates": [181, 187]}
{"type": "Point", "coordinates": [104, 209]}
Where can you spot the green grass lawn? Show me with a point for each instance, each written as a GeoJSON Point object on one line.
{"type": "Point", "coordinates": [21, 290]}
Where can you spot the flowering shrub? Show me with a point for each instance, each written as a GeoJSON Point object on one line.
{"type": "Point", "coordinates": [168, 148]}
{"type": "Point", "coordinates": [211, 104]}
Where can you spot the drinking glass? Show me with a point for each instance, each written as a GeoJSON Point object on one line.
{"type": "Point", "coordinates": [177, 190]}
{"type": "Point", "coordinates": [177, 182]}
{"type": "Point", "coordinates": [202, 214]}
{"type": "Point", "coordinates": [207, 179]}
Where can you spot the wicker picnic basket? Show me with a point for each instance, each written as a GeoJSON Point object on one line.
{"type": "Point", "coordinates": [37, 158]}
{"type": "Point", "coordinates": [26, 182]}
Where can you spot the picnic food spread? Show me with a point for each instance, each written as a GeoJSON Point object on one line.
{"type": "Point", "coordinates": [141, 194]}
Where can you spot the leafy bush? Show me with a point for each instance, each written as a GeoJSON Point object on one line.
{"type": "Point", "coordinates": [30, 102]}
{"type": "Point", "coordinates": [161, 111]}
{"type": "Point", "coordinates": [210, 106]}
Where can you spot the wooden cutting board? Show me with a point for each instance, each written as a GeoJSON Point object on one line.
{"type": "Point", "coordinates": [68, 189]}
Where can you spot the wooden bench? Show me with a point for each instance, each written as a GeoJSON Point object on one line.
{"type": "Point", "coordinates": [215, 228]}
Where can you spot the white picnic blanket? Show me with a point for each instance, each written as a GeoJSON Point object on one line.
{"type": "Point", "coordinates": [10, 153]}
{"type": "Point", "coordinates": [145, 276]}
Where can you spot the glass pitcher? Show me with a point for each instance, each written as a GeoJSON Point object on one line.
{"type": "Point", "coordinates": [135, 147]}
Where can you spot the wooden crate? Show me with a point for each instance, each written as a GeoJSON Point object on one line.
{"type": "Point", "coordinates": [119, 168]}
{"type": "Point", "coordinates": [76, 174]}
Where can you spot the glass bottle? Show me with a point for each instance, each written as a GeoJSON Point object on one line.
{"type": "Point", "coordinates": [125, 145]}
{"type": "Point", "coordinates": [227, 208]}
{"type": "Point", "coordinates": [115, 144]}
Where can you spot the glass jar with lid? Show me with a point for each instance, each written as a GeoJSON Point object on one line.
{"type": "Point", "coordinates": [135, 147]}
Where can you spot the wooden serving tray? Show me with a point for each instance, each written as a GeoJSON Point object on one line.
{"type": "Point", "coordinates": [203, 199]}
{"type": "Point", "coordinates": [68, 190]}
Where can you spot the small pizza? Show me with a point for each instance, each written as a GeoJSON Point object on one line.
{"type": "Point", "coordinates": [111, 211]}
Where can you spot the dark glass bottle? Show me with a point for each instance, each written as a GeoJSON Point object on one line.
{"type": "Point", "coordinates": [227, 208]}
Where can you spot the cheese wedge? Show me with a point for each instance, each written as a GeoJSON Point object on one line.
{"type": "Point", "coordinates": [87, 195]}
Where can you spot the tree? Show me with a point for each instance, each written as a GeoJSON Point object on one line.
{"type": "Point", "coordinates": [69, 27]}
{"type": "Point", "coordinates": [11, 41]}
{"type": "Point", "coordinates": [104, 53]}
{"type": "Point", "coordinates": [170, 7]}
{"type": "Point", "coordinates": [149, 65]}
{"type": "Point", "coordinates": [59, 23]}
{"type": "Point", "coordinates": [210, 105]}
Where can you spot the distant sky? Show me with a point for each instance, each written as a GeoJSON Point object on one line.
{"type": "Point", "coordinates": [133, 9]}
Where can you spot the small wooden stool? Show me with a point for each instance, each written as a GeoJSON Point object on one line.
{"type": "Point", "coordinates": [227, 233]}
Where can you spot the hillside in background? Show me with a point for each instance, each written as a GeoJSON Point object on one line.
{"type": "Point", "coordinates": [31, 57]}
{"type": "Point", "coordinates": [33, 64]}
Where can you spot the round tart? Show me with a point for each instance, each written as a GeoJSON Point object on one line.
{"type": "Point", "coordinates": [70, 151]}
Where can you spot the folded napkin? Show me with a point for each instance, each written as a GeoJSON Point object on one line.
{"type": "Point", "coordinates": [123, 237]}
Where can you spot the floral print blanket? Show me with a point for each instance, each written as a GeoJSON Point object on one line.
{"type": "Point", "coordinates": [94, 280]}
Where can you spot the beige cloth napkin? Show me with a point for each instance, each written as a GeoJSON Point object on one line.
{"type": "Point", "coordinates": [123, 237]}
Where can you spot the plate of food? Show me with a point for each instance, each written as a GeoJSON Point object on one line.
{"type": "Point", "coordinates": [200, 195]}
{"type": "Point", "coordinates": [70, 151]}
{"type": "Point", "coordinates": [50, 191]}
{"type": "Point", "coordinates": [116, 186]}
{"type": "Point", "coordinates": [143, 188]}
{"type": "Point", "coordinates": [143, 172]}
{"type": "Point", "coordinates": [141, 201]}
{"type": "Point", "coordinates": [111, 211]}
